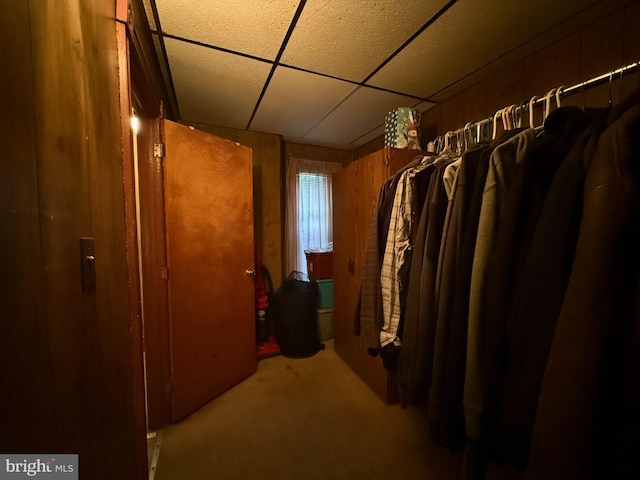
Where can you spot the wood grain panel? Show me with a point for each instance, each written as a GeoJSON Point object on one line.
{"type": "Point", "coordinates": [558, 64]}
{"type": "Point", "coordinates": [154, 264]}
{"type": "Point", "coordinates": [267, 194]}
{"type": "Point", "coordinates": [131, 241]}
{"type": "Point", "coordinates": [431, 124]}
{"type": "Point", "coordinates": [356, 190]}
{"type": "Point", "coordinates": [368, 148]}
{"type": "Point", "coordinates": [344, 252]}
{"type": "Point", "coordinates": [601, 52]}
{"type": "Point", "coordinates": [312, 152]}
{"type": "Point", "coordinates": [81, 194]}
{"type": "Point", "coordinates": [475, 105]}
{"type": "Point", "coordinates": [209, 224]}
{"type": "Point", "coordinates": [27, 421]}
{"type": "Point", "coordinates": [631, 52]}
{"type": "Point", "coordinates": [64, 169]}
{"type": "Point", "coordinates": [453, 113]}
{"type": "Point", "coordinates": [505, 87]}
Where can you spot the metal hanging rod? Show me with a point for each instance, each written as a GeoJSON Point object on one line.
{"type": "Point", "coordinates": [594, 82]}
{"type": "Point", "coordinates": [553, 95]}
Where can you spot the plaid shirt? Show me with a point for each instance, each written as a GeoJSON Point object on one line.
{"type": "Point", "coordinates": [398, 243]}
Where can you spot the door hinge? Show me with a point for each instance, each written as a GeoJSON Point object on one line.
{"type": "Point", "coordinates": [164, 273]}
{"type": "Point", "coordinates": [158, 150]}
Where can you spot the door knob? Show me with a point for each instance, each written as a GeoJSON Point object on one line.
{"type": "Point", "coordinates": [250, 273]}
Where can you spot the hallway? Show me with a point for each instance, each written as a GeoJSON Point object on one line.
{"type": "Point", "coordinates": [309, 418]}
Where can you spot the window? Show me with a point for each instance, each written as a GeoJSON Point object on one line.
{"type": "Point", "coordinates": [309, 214]}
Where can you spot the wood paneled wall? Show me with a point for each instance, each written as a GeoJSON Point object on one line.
{"type": "Point", "coordinates": [605, 45]}
{"type": "Point", "coordinates": [312, 152]}
{"type": "Point", "coordinates": [25, 378]}
{"type": "Point", "coordinates": [68, 380]}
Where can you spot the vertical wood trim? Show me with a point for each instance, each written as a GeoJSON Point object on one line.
{"type": "Point", "coordinates": [132, 253]}
{"type": "Point", "coordinates": [28, 421]}
{"type": "Point", "coordinates": [154, 264]}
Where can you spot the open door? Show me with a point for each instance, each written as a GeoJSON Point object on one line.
{"type": "Point", "coordinates": [210, 256]}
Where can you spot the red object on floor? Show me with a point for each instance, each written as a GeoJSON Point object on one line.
{"type": "Point", "coordinates": [267, 349]}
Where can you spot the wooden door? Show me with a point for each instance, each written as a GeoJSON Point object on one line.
{"type": "Point", "coordinates": [344, 253]}
{"type": "Point", "coordinates": [209, 226]}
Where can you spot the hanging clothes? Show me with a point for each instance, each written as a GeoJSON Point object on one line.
{"type": "Point", "coordinates": [414, 368]}
{"type": "Point", "coordinates": [395, 252]}
{"type": "Point", "coordinates": [538, 298]}
{"type": "Point", "coordinates": [473, 175]}
{"type": "Point", "coordinates": [523, 203]}
{"type": "Point", "coordinates": [577, 428]}
{"type": "Point", "coordinates": [369, 319]}
{"type": "Point", "coordinates": [502, 167]}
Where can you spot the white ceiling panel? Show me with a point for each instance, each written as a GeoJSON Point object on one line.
{"type": "Point", "coordinates": [215, 87]}
{"type": "Point", "coordinates": [466, 38]}
{"type": "Point", "coordinates": [350, 39]}
{"type": "Point", "coordinates": [253, 27]}
{"type": "Point", "coordinates": [363, 111]}
{"type": "Point", "coordinates": [295, 101]}
{"type": "Point", "coordinates": [333, 47]}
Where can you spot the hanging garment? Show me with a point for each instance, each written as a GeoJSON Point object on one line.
{"type": "Point", "coordinates": [452, 433]}
{"type": "Point", "coordinates": [523, 203]}
{"type": "Point", "coordinates": [536, 304]}
{"type": "Point", "coordinates": [369, 319]}
{"type": "Point", "coordinates": [441, 328]}
{"type": "Point", "coordinates": [416, 354]}
{"type": "Point", "coordinates": [451, 251]}
{"type": "Point", "coordinates": [471, 180]}
{"type": "Point", "coordinates": [502, 168]}
{"type": "Point", "coordinates": [398, 242]}
{"type": "Point", "coordinates": [575, 422]}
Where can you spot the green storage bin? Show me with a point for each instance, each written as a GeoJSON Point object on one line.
{"type": "Point", "coordinates": [325, 324]}
{"type": "Point", "coordinates": [325, 289]}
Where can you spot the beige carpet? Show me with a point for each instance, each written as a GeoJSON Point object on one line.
{"type": "Point", "coordinates": [309, 419]}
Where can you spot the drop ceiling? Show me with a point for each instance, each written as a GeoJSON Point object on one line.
{"type": "Point", "coordinates": [325, 72]}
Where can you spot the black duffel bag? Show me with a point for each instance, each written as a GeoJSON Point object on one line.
{"type": "Point", "coordinates": [294, 316]}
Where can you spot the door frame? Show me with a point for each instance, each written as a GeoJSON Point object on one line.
{"type": "Point", "coordinates": [143, 87]}
{"type": "Point", "coordinates": [139, 86]}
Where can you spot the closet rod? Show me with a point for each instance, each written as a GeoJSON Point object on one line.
{"type": "Point", "coordinates": [594, 82]}
{"type": "Point", "coordinates": [565, 92]}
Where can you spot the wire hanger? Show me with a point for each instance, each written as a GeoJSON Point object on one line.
{"type": "Point", "coordinates": [494, 132]}
{"type": "Point", "coordinates": [547, 104]}
{"type": "Point", "coordinates": [559, 94]}
{"type": "Point", "coordinates": [468, 138]}
{"type": "Point", "coordinates": [531, 105]}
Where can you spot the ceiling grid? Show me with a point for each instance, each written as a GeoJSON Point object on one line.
{"type": "Point", "coordinates": [325, 72]}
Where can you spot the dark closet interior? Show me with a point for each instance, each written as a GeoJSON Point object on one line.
{"type": "Point", "coordinates": [71, 358]}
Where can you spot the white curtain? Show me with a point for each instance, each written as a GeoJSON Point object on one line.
{"type": "Point", "coordinates": [309, 210]}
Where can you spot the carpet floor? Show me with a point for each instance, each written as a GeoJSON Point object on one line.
{"type": "Point", "coordinates": [309, 419]}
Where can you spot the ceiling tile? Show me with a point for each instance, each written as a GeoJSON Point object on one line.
{"type": "Point", "coordinates": [295, 101]}
{"type": "Point", "coordinates": [215, 87]}
{"type": "Point", "coordinates": [350, 39]}
{"type": "Point", "coordinates": [467, 37]}
{"type": "Point", "coordinates": [362, 112]}
{"type": "Point", "coordinates": [253, 27]}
